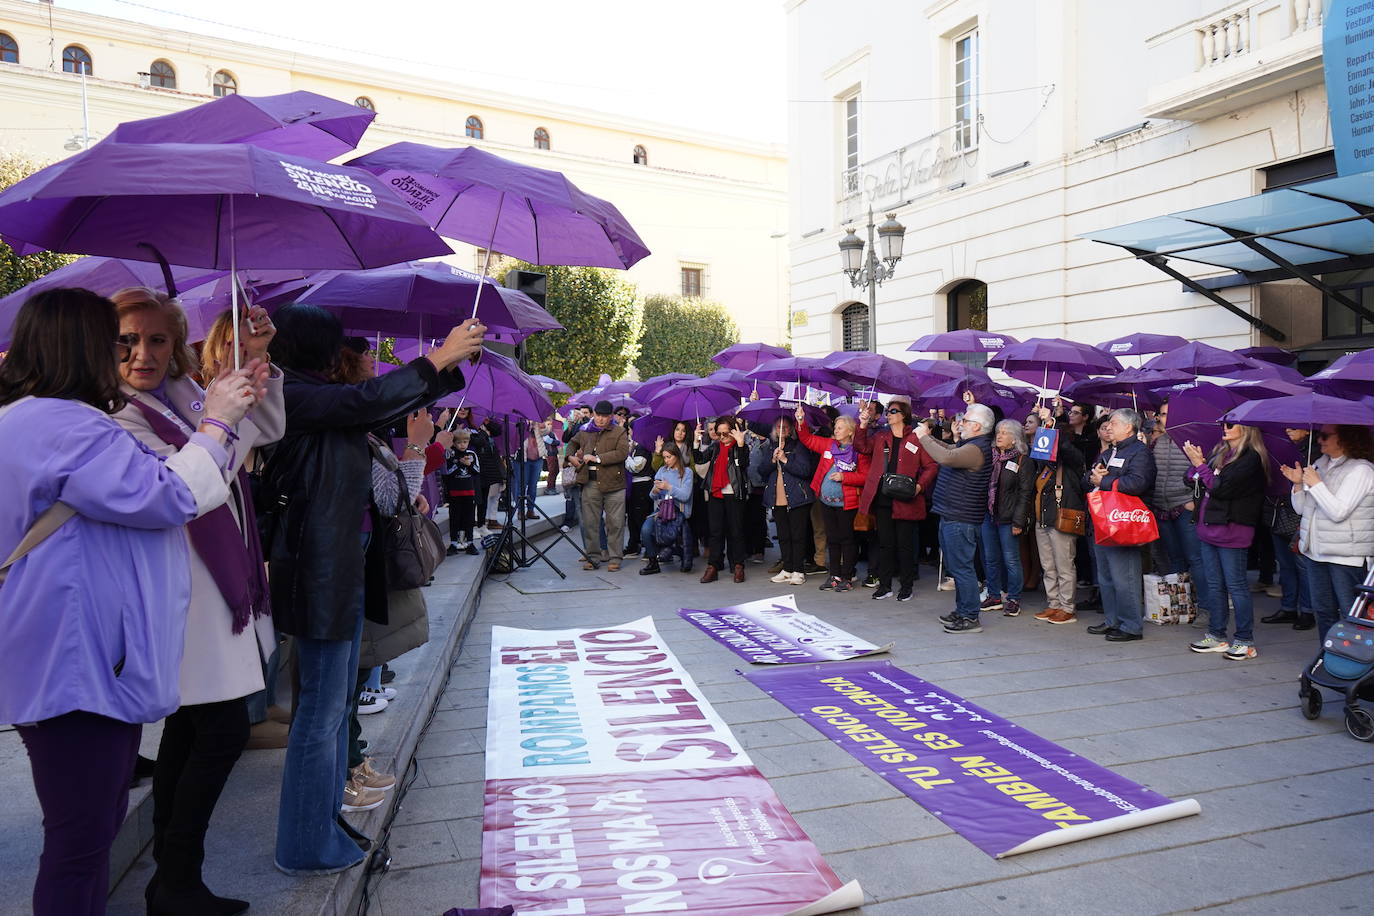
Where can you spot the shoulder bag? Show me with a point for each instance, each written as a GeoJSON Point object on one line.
{"type": "Point", "coordinates": [1069, 521]}
{"type": "Point", "coordinates": [893, 485]}
{"type": "Point", "coordinates": [412, 545]}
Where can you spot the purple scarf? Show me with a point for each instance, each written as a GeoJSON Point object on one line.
{"type": "Point", "coordinates": [237, 568]}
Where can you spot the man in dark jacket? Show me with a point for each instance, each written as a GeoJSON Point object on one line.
{"type": "Point", "coordinates": [598, 451]}
{"type": "Point", "coordinates": [1130, 467]}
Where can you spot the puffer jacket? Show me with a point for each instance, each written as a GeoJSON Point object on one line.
{"type": "Point", "coordinates": [796, 473]}
{"type": "Point", "coordinates": [1172, 488]}
{"type": "Point", "coordinates": [853, 481]}
{"type": "Point", "coordinates": [1338, 513]}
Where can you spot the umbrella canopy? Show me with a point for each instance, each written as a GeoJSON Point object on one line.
{"type": "Point", "coordinates": [1276, 355]}
{"type": "Point", "coordinates": [747, 356]}
{"type": "Point", "coordinates": [949, 396]}
{"type": "Point", "coordinates": [1052, 363]}
{"type": "Point", "coordinates": [214, 206]}
{"type": "Point", "coordinates": [743, 384]}
{"type": "Point", "coordinates": [966, 340]}
{"type": "Point", "coordinates": [552, 385]}
{"type": "Point", "coordinates": [659, 384]}
{"type": "Point", "coordinates": [694, 399]}
{"type": "Point", "coordinates": [297, 123]}
{"type": "Point", "coordinates": [1200, 359]}
{"type": "Point", "coordinates": [533, 214]}
{"type": "Point", "coordinates": [870, 371]}
{"type": "Point", "coordinates": [619, 399]}
{"type": "Point", "coordinates": [436, 289]}
{"type": "Point", "coordinates": [1135, 388]}
{"type": "Point", "coordinates": [497, 385]}
{"type": "Point", "coordinates": [1260, 370]}
{"type": "Point", "coordinates": [1348, 376]}
{"type": "Point", "coordinates": [105, 276]}
{"type": "Point", "coordinates": [769, 410]}
{"type": "Point", "coordinates": [1304, 412]}
{"type": "Point", "coordinates": [938, 371]}
{"type": "Point", "coordinates": [1138, 343]}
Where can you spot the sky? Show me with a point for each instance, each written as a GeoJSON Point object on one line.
{"type": "Point", "coordinates": [718, 65]}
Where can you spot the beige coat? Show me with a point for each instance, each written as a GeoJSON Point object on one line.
{"type": "Point", "coordinates": [216, 664]}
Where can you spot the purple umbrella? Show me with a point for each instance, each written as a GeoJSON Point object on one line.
{"type": "Point", "coordinates": [499, 386]}
{"type": "Point", "coordinates": [619, 399]}
{"type": "Point", "coordinates": [270, 289]}
{"type": "Point", "coordinates": [436, 289]}
{"type": "Point", "coordinates": [1195, 415]}
{"type": "Point", "coordinates": [1260, 370]}
{"type": "Point", "coordinates": [533, 214]}
{"type": "Point", "coordinates": [651, 387]}
{"type": "Point", "coordinates": [298, 123]}
{"type": "Point", "coordinates": [609, 389]}
{"type": "Point", "coordinates": [744, 384]}
{"type": "Point", "coordinates": [871, 370]}
{"type": "Point", "coordinates": [802, 370]}
{"type": "Point", "coordinates": [1052, 363]}
{"type": "Point", "coordinates": [937, 371]}
{"type": "Point", "coordinates": [1135, 388]}
{"type": "Point", "coordinates": [966, 340]}
{"type": "Point", "coordinates": [694, 399]}
{"type": "Point", "coordinates": [1351, 375]}
{"type": "Point", "coordinates": [1304, 411]}
{"type": "Point", "coordinates": [949, 396]}
{"type": "Point", "coordinates": [1139, 343]}
{"type": "Point", "coordinates": [747, 356]}
{"type": "Point", "coordinates": [1200, 359]}
{"type": "Point", "coordinates": [1276, 355]}
{"type": "Point", "coordinates": [105, 276]}
{"type": "Point", "coordinates": [768, 410]}
{"type": "Point", "coordinates": [552, 385]}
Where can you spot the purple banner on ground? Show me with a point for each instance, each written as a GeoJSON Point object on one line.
{"type": "Point", "coordinates": [1005, 789]}
{"type": "Point", "coordinates": [772, 631]}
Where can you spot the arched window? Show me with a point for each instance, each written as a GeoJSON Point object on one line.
{"type": "Point", "coordinates": [641, 156]}
{"type": "Point", "coordinates": [473, 127]}
{"type": "Point", "coordinates": [162, 75]}
{"type": "Point", "coordinates": [854, 325]}
{"type": "Point", "coordinates": [9, 49]}
{"type": "Point", "coordinates": [364, 102]}
{"type": "Point", "coordinates": [224, 84]}
{"type": "Point", "coordinates": [541, 138]}
{"type": "Point", "coordinates": [967, 307]}
{"type": "Point", "coordinates": [76, 59]}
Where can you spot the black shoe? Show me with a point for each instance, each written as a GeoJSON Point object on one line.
{"type": "Point", "coordinates": [904, 595]}
{"type": "Point", "coordinates": [964, 625]}
{"type": "Point", "coordinates": [1305, 622]}
{"type": "Point", "coordinates": [387, 674]}
{"type": "Point", "coordinates": [1122, 636]}
{"type": "Point", "coordinates": [811, 569]}
{"type": "Point", "coordinates": [1099, 629]}
{"type": "Point", "coordinates": [1281, 617]}
{"type": "Point", "coordinates": [452, 550]}
{"type": "Point", "coordinates": [165, 900]}
{"type": "Point", "coordinates": [1092, 604]}
{"type": "Point", "coordinates": [880, 594]}
{"type": "Point", "coordinates": [471, 550]}
{"type": "Point", "coordinates": [828, 584]}
{"type": "Point", "coordinates": [949, 618]}
{"type": "Point", "coordinates": [651, 567]}
{"type": "Point", "coordinates": [871, 582]}
{"type": "Point", "coordinates": [364, 842]}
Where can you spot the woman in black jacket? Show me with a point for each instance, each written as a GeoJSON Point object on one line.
{"type": "Point", "coordinates": [1058, 485]}
{"type": "Point", "coordinates": [316, 525]}
{"type": "Point", "coordinates": [1231, 485]}
{"type": "Point", "coordinates": [1009, 515]}
{"type": "Point", "coordinates": [725, 489]}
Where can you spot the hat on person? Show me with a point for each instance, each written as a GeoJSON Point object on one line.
{"type": "Point", "coordinates": [604, 408]}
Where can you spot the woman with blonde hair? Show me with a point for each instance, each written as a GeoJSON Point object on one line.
{"type": "Point", "coordinates": [228, 624]}
{"type": "Point", "coordinates": [1230, 487]}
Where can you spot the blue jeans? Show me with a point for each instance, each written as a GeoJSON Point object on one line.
{"type": "Point", "coordinates": [1001, 559]}
{"type": "Point", "coordinates": [958, 541]}
{"type": "Point", "coordinates": [526, 482]}
{"type": "Point", "coordinates": [572, 506]}
{"type": "Point", "coordinates": [1224, 568]}
{"type": "Point", "coordinates": [1333, 590]}
{"type": "Point", "coordinates": [1179, 539]}
{"type": "Point", "coordinates": [1297, 595]}
{"type": "Point", "coordinates": [1118, 576]}
{"type": "Point", "coordinates": [309, 838]}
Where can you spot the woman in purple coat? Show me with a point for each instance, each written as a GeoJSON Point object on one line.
{"type": "Point", "coordinates": [94, 614]}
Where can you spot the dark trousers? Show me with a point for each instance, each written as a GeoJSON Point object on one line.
{"type": "Point", "coordinates": [839, 540]}
{"type": "Point", "coordinates": [200, 745]}
{"type": "Point", "coordinates": [726, 517]}
{"type": "Point", "coordinates": [483, 491]}
{"type": "Point", "coordinates": [793, 539]}
{"type": "Point", "coordinates": [461, 511]}
{"type": "Point", "coordinates": [82, 764]}
{"type": "Point", "coordinates": [756, 525]}
{"type": "Point", "coordinates": [638, 509]}
{"type": "Point", "coordinates": [896, 549]}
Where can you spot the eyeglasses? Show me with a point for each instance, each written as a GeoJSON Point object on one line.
{"type": "Point", "coordinates": [123, 350]}
{"type": "Point", "coordinates": [892, 410]}
{"type": "Point", "coordinates": [1228, 425]}
{"type": "Point", "coordinates": [1325, 435]}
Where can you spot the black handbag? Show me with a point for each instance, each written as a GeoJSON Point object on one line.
{"type": "Point", "coordinates": [412, 545]}
{"type": "Point", "coordinates": [896, 486]}
{"type": "Point", "coordinates": [1283, 519]}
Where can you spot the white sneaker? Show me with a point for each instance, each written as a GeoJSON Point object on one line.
{"type": "Point", "coordinates": [784, 577]}
{"type": "Point", "coordinates": [1210, 643]}
{"type": "Point", "coordinates": [385, 693]}
{"type": "Point", "coordinates": [798, 579]}
{"type": "Point", "coordinates": [946, 584]}
{"type": "Point", "coordinates": [369, 704]}
{"type": "Point", "coordinates": [1241, 651]}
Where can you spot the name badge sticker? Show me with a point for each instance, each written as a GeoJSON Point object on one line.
{"type": "Point", "coordinates": [1012, 466]}
{"type": "Point", "coordinates": [911, 447]}
{"type": "Point", "coordinates": [1117, 463]}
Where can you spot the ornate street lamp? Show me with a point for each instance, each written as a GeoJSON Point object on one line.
{"type": "Point", "coordinates": [862, 267]}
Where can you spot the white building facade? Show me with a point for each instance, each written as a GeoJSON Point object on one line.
{"type": "Point", "coordinates": [712, 209]}
{"type": "Point", "coordinates": [998, 131]}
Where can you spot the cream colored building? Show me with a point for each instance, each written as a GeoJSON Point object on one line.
{"type": "Point", "coordinates": [998, 131]}
{"type": "Point", "coordinates": [712, 209]}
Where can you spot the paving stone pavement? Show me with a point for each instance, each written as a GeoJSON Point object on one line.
{"type": "Point", "coordinates": [1287, 804]}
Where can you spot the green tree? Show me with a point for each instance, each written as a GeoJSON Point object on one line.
{"type": "Point", "coordinates": [17, 272]}
{"type": "Point", "coordinates": [602, 316]}
{"type": "Point", "coordinates": [681, 333]}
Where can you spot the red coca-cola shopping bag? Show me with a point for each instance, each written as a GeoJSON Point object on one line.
{"type": "Point", "coordinates": [1121, 520]}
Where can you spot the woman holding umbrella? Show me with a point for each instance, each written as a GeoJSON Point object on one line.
{"type": "Point", "coordinates": [228, 624]}
{"type": "Point", "coordinates": [839, 480]}
{"type": "Point", "coordinates": [81, 678]}
{"type": "Point", "coordinates": [786, 470]}
{"type": "Point", "coordinates": [318, 479]}
{"type": "Point", "coordinates": [895, 452]}
{"type": "Point", "coordinates": [1335, 497]}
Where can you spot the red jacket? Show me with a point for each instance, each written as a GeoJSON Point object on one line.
{"type": "Point", "coordinates": [912, 460]}
{"type": "Point", "coordinates": [853, 480]}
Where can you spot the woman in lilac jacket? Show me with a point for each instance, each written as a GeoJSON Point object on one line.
{"type": "Point", "coordinates": [93, 615]}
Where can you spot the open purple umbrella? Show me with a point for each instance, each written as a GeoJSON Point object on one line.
{"type": "Point", "coordinates": [744, 384]}
{"type": "Point", "coordinates": [747, 356]}
{"type": "Point", "coordinates": [619, 399]}
{"type": "Point", "coordinates": [1200, 359]}
{"type": "Point", "coordinates": [802, 370]}
{"type": "Point", "coordinates": [769, 410]}
{"type": "Point", "coordinates": [1140, 343]}
{"type": "Point", "coordinates": [497, 385]}
{"type": "Point", "coordinates": [925, 372]}
{"type": "Point", "coordinates": [1351, 375]}
{"type": "Point", "coordinates": [949, 396]}
{"type": "Point", "coordinates": [1305, 411]}
{"type": "Point", "coordinates": [552, 385]}
{"type": "Point", "coordinates": [297, 123]}
{"type": "Point", "coordinates": [966, 340]}
{"type": "Point", "coordinates": [533, 214]}
{"type": "Point", "coordinates": [658, 384]}
{"type": "Point", "coordinates": [1276, 355]}
{"type": "Point", "coordinates": [1260, 370]}
{"type": "Point", "coordinates": [694, 399]}
{"type": "Point", "coordinates": [1134, 388]}
{"type": "Point", "coordinates": [1052, 363]}
{"type": "Point", "coordinates": [871, 371]}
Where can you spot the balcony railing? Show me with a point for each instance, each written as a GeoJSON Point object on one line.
{"type": "Point", "coordinates": [1231, 35]}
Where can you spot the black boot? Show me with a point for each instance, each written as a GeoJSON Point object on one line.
{"type": "Point", "coordinates": [363, 840]}
{"type": "Point", "coordinates": [1305, 622]}
{"type": "Point", "coordinates": [189, 900]}
{"type": "Point", "coordinates": [650, 567]}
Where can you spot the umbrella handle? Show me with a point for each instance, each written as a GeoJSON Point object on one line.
{"type": "Point", "coordinates": [167, 282]}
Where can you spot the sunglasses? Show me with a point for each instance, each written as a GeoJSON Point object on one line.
{"type": "Point", "coordinates": [892, 410]}
{"type": "Point", "coordinates": [1228, 425]}
{"type": "Point", "coordinates": [123, 350]}
{"type": "Point", "coordinates": [1325, 435]}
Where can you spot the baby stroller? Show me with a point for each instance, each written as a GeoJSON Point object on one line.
{"type": "Point", "coordinates": [1346, 664]}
